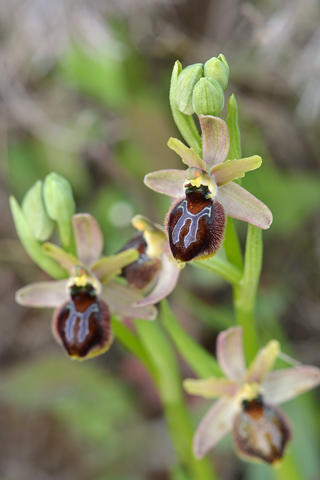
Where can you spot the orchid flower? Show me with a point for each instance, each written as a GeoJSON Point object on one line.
{"type": "Point", "coordinates": [155, 271]}
{"type": "Point", "coordinates": [205, 193]}
{"type": "Point", "coordinates": [84, 301]}
{"type": "Point", "coordinates": [248, 398]}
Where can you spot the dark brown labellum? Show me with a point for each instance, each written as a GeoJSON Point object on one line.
{"type": "Point", "coordinates": [261, 431]}
{"type": "Point", "coordinates": [82, 325]}
{"type": "Point", "coordinates": [195, 225]}
{"type": "Point", "coordinates": [143, 271]}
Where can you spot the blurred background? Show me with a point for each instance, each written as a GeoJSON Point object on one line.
{"type": "Point", "coordinates": [84, 92]}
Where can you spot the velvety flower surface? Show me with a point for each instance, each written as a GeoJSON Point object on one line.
{"type": "Point", "coordinates": [248, 399]}
{"type": "Point", "coordinates": [85, 300]}
{"type": "Point", "coordinates": [155, 271]}
{"type": "Point", "coordinates": [205, 193]}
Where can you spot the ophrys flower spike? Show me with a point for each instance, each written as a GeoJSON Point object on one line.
{"type": "Point", "coordinates": [248, 399]}
{"type": "Point", "coordinates": [85, 300]}
{"type": "Point", "coordinates": [155, 272]}
{"type": "Point", "coordinates": [205, 193]}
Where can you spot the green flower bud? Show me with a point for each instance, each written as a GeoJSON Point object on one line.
{"type": "Point", "coordinates": [33, 208]}
{"type": "Point", "coordinates": [60, 205]}
{"type": "Point", "coordinates": [218, 69]}
{"type": "Point", "coordinates": [187, 80]}
{"type": "Point", "coordinates": [31, 244]}
{"type": "Point", "coordinates": [208, 97]}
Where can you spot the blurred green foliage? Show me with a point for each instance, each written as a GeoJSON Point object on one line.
{"type": "Point", "coordinates": [114, 107]}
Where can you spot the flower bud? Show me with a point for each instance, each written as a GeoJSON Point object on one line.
{"type": "Point", "coordinates": [261, 431]}
{"type": "Point", "coordinates": [60, 205]}
{"type": "Point", "coordinates": [218, 69]}
{"type": "Point", "coordinates": [143, 271]}
{"type": "Point", "coordinates": [208, 97]}
{"type": "Point", "coordinates": [187, 80]}
{"type": "Point", "coordinates": [33, 208]}
{"type": "Point", "coordinates": [150, 244]}
{"type": "Point", "coordinates": [195, 225]}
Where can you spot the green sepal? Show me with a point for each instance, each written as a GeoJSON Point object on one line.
{"type": "Point", "coordinates": [108, 267]}
{"type": "Point", "coordinates": [188, 155]}
{"type": "Point", "coordinates": [32, 245]}
{"type": "Point", "coordinates": [34, 210]}
{"type": "Point", "coordinates": [64, 259]}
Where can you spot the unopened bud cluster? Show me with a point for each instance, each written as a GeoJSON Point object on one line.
{"type": "Point", "coordinates": [201, 87]}
{"type": "Point", "coordinates": [47, 205]}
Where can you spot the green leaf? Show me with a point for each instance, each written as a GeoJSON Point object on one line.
{"type": "Point", "coordinates": [201, 362]}
{"type": "Point", "coordinates": [89, 401]}
{"type": "Point", "coordinates": [234, 130]}
{"type": "Point", "coordinates": [185, 123]}
{"type": "Point", "coordinates": [98, 74]}
{"type": "Point", "coordinates": [33, 246]}
{"type": "Point", "coordinates": [160, 353]}
{"type": "Point", "coordinates": [221, 267]}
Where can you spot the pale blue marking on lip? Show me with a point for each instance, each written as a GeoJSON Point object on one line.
{"type": "Point", "coordinates": [193, 226]}
{"type": "Point", "coordinates": [83, 320]}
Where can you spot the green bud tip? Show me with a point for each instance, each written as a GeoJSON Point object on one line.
{"type": "Point", "coordinates": [218, 69]}
{"type": "Point", "coordinates": [208, 97]}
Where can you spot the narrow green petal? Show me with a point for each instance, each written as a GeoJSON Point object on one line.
{"type": "Point", "coordinates": [231, 169]}
{"type": "Point", "coordinates": [108, 267]}
{"type": "Point", "coordinates": [188, 155]}
{"type": "Point", "coordinates": [263, 362]}
{"type": "Point", "coordinates": [64, 259]}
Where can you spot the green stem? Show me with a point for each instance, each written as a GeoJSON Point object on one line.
{"type": "Point", "coordinates": [232, 246]}
{"type": "Point", "coordinates": [245, 293]}
{"type": "Point", "coordinates": [129, 340]}
{"type": "Point", "coordinates": [185, 123]}
{"type": "Point", "coordinates": [168, 380]}
{"type": "Point", "coordinates": [221, 267]}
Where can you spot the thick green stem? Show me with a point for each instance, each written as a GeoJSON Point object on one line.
{"type": "Point", "coordinates": [245, 293]}
{"type": "Point", "coordinates": [169, 383]}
